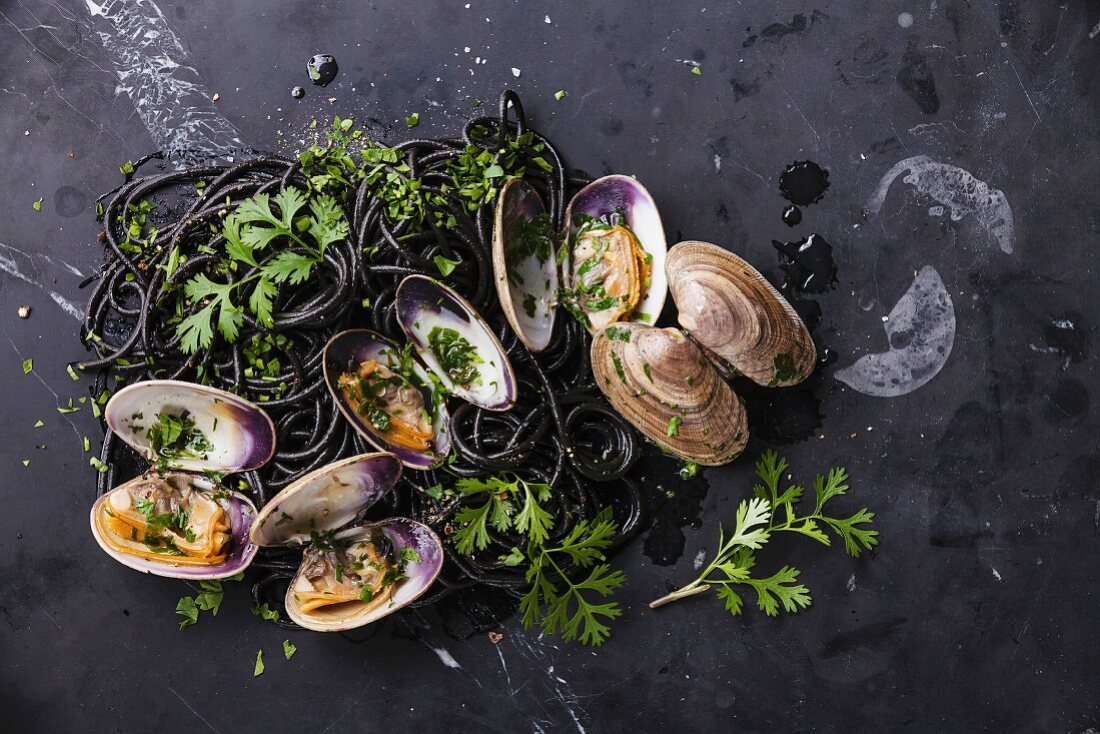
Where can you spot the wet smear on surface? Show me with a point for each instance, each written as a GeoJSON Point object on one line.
{"type": "Point", "coordinates": [792, 215]}
{"type": "Point", "coordinates": [69, 201]}
{"type": "Point", "coordinates": [807, 263]}
{"type": "Point", "coordinates": [804, 182]}
{"type": "Point", "coordinates": [782, 416]}
{"type": "Point", "coordinates": [775, 32]}
{"type": "Point", "coordinates": [921, 332]}
{"type": "Point", "coordinates": [916, 80]}
{"type": "Point", "coordinates": [1067, 336]}
{"type": "Point", "coordinates": [674, 503]}
{"type": "Point", "coordinates": [958, 190]}
{"type": "Point", "coordinates": [322, 69]}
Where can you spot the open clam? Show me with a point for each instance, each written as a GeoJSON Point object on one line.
{"type": "Point", "coordinates": [614, 264]}
{"type": "Point", "coordinates": [388, 397]}
{"type": "Point", "coordinates": [455, 343]}
{"type": "Point", "coordinates": [352, 572]}
{"type": "Point", "coordinates": [663, 384]}
{"type": "Point", "coordinates": [669, 384]}
{"type": "Point", "coordinates": [524, 267]}
{"type": "Point", "coordinates": [733, 311]}
{"type": "Point", "coordinates": [176, 522]}
{"type": "Point", "coordinates": [611, 258]}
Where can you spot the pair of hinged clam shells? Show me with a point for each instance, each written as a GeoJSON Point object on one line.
{"type": "Point", "coordinates": [179, 523]}
{"type": "Point", "coordinates": [613, 259]}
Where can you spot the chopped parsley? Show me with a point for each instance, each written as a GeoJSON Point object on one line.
{"type": "Point", "coordinates": [174, 438]}
{"type": "Point", "coordinates": [457, 357]}
{"type": "Point", "coordinates": [674, 425]}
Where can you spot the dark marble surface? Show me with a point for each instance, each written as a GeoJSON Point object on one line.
{"type": "Point", "coordinates": [978, 613]}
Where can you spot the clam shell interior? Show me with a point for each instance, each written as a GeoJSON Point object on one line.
{"type": "Point", "coordinates": [403, 533]}
{"type": "Point", "coordinates": [663, 384]}
{"type": "Point", "coordinates": [242, 435]}
{"type": "Point", "coordinates": [329, 498]}
{"type": "Point", "coordinates": [240, 511]}
{"type": "Point", "coordinates": [425, 304]}
{"type": "Point", "coordinates": [524, 265]}
{"type": "Point", "coordinates": [602, 198]}
{"type": "Point", "coordinates": [360, 345]}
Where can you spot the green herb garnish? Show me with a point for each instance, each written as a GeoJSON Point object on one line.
{"type": "Point", "coordinates": [772, 511]}
{"type": "Point", "coordinates": [560, 604]}
{"type": "Point", "coordinates": [457, 357]}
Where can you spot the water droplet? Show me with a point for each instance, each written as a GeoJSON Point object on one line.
{"type": "Point", "coordinates": [792, 215]}
{"type": "Point", "coordinates": [322, 69]}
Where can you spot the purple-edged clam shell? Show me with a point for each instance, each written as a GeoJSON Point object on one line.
{"type": "Point", "coordinates": [359, 345]}
{"type": "Point", "coordinates": [610, 194]}
{"type": "Point", "coordinates": [330, 498]}
{"type": "Point", "coordinates": [238, 508]}
{"type": "Point", "coordinates": [403, 533]}
{"type": "Point", "coordinates": [526, 285]}
{"type": "Point", "coordinates": [242, 434]}
{"type": "Point", "coordinates": [424, 303]}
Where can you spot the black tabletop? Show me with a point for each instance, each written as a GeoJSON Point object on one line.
{"type": "Point", "coordinates": [961, 145]}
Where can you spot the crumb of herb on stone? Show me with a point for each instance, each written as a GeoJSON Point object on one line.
{"type": "Point", "coordinates": [258, 670]}
{"type": "Point", "coordinates": [288, 649]}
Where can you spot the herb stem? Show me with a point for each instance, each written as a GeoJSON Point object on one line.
{"type": "Point", "coordinates": [695, 587]}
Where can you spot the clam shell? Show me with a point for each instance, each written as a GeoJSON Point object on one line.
{"type": "Point", "coordinates": [652, 375]}
{"type": "Point", "coordinates": [527, 286]}
{"type": "Point", "coordinates": [732, 310]}
{"type": "Point", "coordinates": [241, 513]}
{"type": "Point", "coordinates": [242, 434]}
{"type": "Point", "coordinates": [605, 196]}
{"type": "Point", "coordinates": [403, 533]}
{"type": "Point", "coordinates": [329, 498]}
{"type": "Point", "coordinates": [360, 345]}
{"type": "Point", "coordinates": [424, 303]}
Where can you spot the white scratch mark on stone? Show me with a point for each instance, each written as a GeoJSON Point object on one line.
{"type": "Point", "coordinates": [154, 70]}
{"type": "Point", "coordinates": [11, 267]}
{"type": "Point", "coordinates": [1095, 31]}
{"type": "Point", "coordinates": [504, 667]}
{"type": "Point", "coordinates": [717, 163]}
{"type": "Point", "coordinates": [192, 710]}
{"type": "Point", "coordinates": [920, 333]}
{"type": "Point", "coordinates": [446, 658]}
{"type": "Point", "coordinates": [996, 573]}
{"type": "Point", "coordinates": [958, 190]}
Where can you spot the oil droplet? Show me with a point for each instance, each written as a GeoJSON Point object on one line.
{"type": "Point", "coordinates": [808, 263]}
{"type": "Point", "coordinates": [804, 182]}
{"type": "Point", "coordinates": [322, 69]}
{"type": "Point", "coordinates": [297, 92]}
{"type": "Point", "coordinates": [792, 215]}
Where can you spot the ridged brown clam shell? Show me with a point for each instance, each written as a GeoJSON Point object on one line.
{"type": "Point", "coordinates": [732, 310]}
{"type": "Point", "coordinates": [663, 384]}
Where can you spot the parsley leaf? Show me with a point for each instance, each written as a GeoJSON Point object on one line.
{"type": "Point", "coordinates": [288, 649]}
{"type": "Point", "coordinates": [188, 610]}
{"type": "Point", "coordinates": [503, 492]}
{"type": "Point", "coordinates": [559, 604]}
{"type": "Point", "coordinates": [258, 669]}
{"type": "Point", "coordinates": [774, 509]}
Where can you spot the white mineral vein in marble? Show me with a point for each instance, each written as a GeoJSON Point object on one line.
{"type": "Point", "coordinates": [155, 71]}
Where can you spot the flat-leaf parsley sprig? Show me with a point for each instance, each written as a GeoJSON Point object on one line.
{"type": "Point", "coordinates": [772, 511]}
{"type": "Point", "coordinates": [569, 577]}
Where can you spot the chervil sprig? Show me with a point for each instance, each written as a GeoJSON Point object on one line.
{"type": "Point", "coordinates": [772, 511]}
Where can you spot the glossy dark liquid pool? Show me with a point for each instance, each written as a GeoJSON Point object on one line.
{"type": "Point", "coordinates": [808, 263]}
{"type": "Point", "coordinates": [792, 215]}
{"type": "Point", "coordinates": [322, 69]}
{"type": "Point", "coordinates": [803, 182]}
